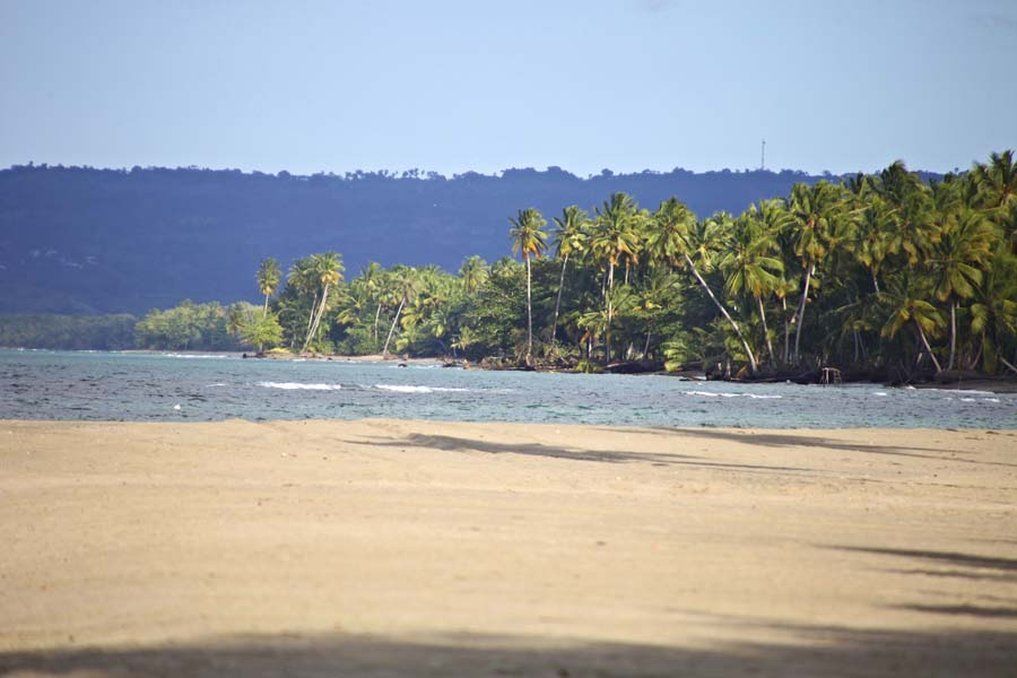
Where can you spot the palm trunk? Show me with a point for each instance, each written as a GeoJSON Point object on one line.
{"type": "Point", "coordinates": [384, 351]}
{"type": "Point", "coordinates": [529, 315]}
{"type": "Point", "coordinates": [266, 304]}
{"type": "Point", "coordinates": [557, 302]}
{"type": "Point", "coordinates": [953, 334]}
{"type": "Point", "coordinates": [720, 306]}
{"type": "Point", "coordinates": [313, 330]}
{"type": "Point", "coordinates": [377, 317]}
{"type": "Point", "coordinates": [610, 314]}
{"type": "Point", "coordinates": [314, 307]}
{"type": "Point", "coordinates": [875, 280]}
{"type": "Point", "coordinates": [787, 329]}
{"type": "Point", "coordinates": [809, 270]}
{"type": "Point", "coordinates": [646, 346]}
{"type": "Point", "coordinates": [766, 331]}
{"type": "Point", "coordinates": [928, 349]}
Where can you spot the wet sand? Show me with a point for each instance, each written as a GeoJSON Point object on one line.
{"type": "Point", "coordinates": [430, 548]}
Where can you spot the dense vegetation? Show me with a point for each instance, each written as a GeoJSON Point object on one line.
{"type": "Point", "coordinates": [890, 275]}
{"type": "Point", "coordinates": [99, 332]}
{"type": "Point", "coordinates": [884, 273]}
{"type": "Point", "coordinates": [81, 240]}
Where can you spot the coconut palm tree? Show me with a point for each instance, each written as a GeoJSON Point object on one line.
{"type": "Point", "coordinates": [569, 238]}
{"type": "Point", "coordinates": [404, 283]}
{"type": "Point", "coordinates": [963, 247]}
{"type": "Point", "coordinates": [474, 274]}
{"type": "Point", "coordinates": [671, 239]}
{"type": "Point", "coordinates": [994, 313]}
{"type": "Point", "coordinates": [615, 238]}
{"type": "Point", "coordinates": [269, 276]}
{"type": "Point", "coordinates": [529, 241]}
{"type": "Point", "coordinates": [908, 308]}
{"type": "Point", "coordinates": [327, 271]}
{"type": "Point", "coordinates": [813, 210]}
{"type": "Point", "coordinates": [996, 181]}
{"type": "Point", "coordinates": [749, 263]}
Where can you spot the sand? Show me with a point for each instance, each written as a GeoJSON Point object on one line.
{"type": "Point", "coordinates": [428, 548]}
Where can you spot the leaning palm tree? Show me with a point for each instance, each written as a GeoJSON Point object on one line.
{"type": "Point", "coordinates": [813, 210]}
{"type": "Point", "coordinates": [909, 309]}
{"type": "Point", "coordinates": [529, 241]}
{"type": "Point", "coordinates": [268, 278]}
{"type": "Point", "coordinates": [569, 239]}
{"type": "Point", "coordinates": [672, 239]}
{"type": "Point", "coordinates": [404, 287]}
{"type": "Point", "coordinates": [750, 266]}
{"type": "Point", "coordinates": [327, 270]}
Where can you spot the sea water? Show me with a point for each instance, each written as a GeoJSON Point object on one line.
{"type": "Point", "coordinates": [136, 386]}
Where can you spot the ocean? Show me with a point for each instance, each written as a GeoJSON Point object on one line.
{"type": "Point", "coordinates": [141, 386]}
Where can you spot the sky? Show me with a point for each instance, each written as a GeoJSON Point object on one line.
{"type": "Point", "coordinates": [483, 85]}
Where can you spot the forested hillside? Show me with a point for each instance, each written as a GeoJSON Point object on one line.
{"type": "Point", "coordinates": [81, 240]}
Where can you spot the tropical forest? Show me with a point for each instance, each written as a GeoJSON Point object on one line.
{"type": "Point", "coordinates": [883, 276]}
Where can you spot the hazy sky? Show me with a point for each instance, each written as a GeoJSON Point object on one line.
{"type": "Point", "coordinates": [481, 85]}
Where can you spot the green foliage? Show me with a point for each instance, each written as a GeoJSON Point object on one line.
{"type": "Point", "coordinates": [189, 326]}
{"type": "Point", "coordinates": [68, 332]}
{"type": "Point", "coordinates": [262, 330]}
{"type": "Point", "coordinates": [882, 272]}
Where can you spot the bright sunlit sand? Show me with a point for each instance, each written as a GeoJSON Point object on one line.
{"type": "Point", "coordinates": [377, 547]}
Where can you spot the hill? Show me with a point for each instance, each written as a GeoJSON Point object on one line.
{"type": "Point", "coordinates": [83, 240]}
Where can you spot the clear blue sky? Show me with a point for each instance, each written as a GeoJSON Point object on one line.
{"type": "Point", "coordinates": [481, 85]}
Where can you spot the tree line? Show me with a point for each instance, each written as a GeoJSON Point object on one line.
{"type": "Point", "coordinates": [885, 275]}
{"type": "Point", "coordinates": [881, 272]}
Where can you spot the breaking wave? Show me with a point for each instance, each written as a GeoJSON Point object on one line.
{"type": "Point", "coordinates": [296, 386]}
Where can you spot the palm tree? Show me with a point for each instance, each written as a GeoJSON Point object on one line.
{"type": "Point", "coordinates": [616, 237]}
{"type": "Point", "coordinates": [302, 280]}
{"type": "Point", "coordinates": [529, 241]}
{"type": "Point", "coordinates": [963, 247]}
{"type": "Point", "coordinates": [909, 309]}
{"type": "Point", "coordinates": [405, 281]}
{"type": "Point", "coordinates": [997, 181]}
{"type": "Point", "coordinates": [749, 264]}
{"type": "Point", "coordinates": [268, 278]}
{"type": "Point", "coordinates": [473, 273]}
{"type": "Point", "coordinates": [813, 210]}
{"type": "Point", "coordinates": [371, 280]}
{"type": "Point", "coordinates": [994, 312]}
{"type": "Point", "coordinates": [671, 239]}
{"type": "Point", "coordinates": [875, 241]}
{"type": "Point", "coordinates": [327, 270]}
{"type": "Point", "coordinates": [569, 238]}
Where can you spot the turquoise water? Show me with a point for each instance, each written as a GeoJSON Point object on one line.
{"type": "Point", "coordinates": [195, 387]}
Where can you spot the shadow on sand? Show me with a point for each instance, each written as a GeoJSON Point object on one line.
{"type": "Point", "coordinates": [810, 651]}
{"type": "Point", "coordinates": [781, 440]}
{"type": "Point", "coordinates": [456, 444]}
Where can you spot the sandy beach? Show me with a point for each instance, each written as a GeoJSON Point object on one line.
{"type": "Point", "coordinates": [385, 547]}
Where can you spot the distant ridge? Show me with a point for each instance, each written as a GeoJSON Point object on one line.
{"type": "Point", "coordinates": [85, 240]}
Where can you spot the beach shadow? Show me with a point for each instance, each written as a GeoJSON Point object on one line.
{"type": "Point", "coordinates": [780, 440]}
{"type": "Point", "coordinates": [944, 557]}
{"type": "Point", "coordinates": [963, 566]}
{"type": "Point", "coordinates": [819, 651]}
{"type": "Point", "coordinates": [964, 611]}
{"type": "Point", "coordinates": [456, 444]}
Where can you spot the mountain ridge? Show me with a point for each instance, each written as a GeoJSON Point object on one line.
{"type": "Point", "coordinates": [86, 240]}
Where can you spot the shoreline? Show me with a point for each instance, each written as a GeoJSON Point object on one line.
{"type": "Point", "coordinates": [387, 546]}
{"type": "Point", "coordinates": [997, 385]}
